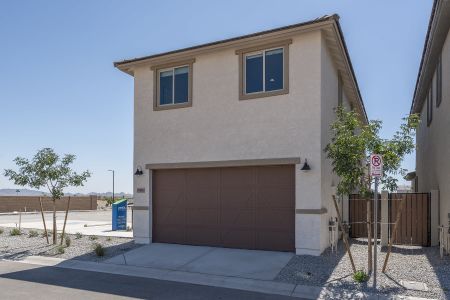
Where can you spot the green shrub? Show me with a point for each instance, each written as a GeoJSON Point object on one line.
{"type": "Point", "coordinates": [1, 230]}
{"type": "Point", "coordinates": [360, 276]}
{"type": "Point", "coordinates": [93, 237]}
{"type": "Point", "coordinates": [33, 234]}
{"type": "Point", "coordinates": [60, 249]}
{"type": "Point", "coordinates": [78, 235]}
{"type": "Point", "coordinates": [49, 233]}
{"type": "Point", "coordinates": [68, 241]}
{"type": "Point", "coordinates": [99, 250]}
{"type": "Point", "coordinates": [15, 231]}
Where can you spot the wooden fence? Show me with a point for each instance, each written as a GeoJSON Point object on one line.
{"type": "Point", "coordinates": [414, 227]}
{"type": "Point", "coordinates": [31, 203]}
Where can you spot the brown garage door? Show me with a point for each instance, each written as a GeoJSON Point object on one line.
{"type": "Point", "coordinates": [236, 207]}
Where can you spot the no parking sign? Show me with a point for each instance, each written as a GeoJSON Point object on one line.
{"type": "Point", "coordinates": [376, 165]}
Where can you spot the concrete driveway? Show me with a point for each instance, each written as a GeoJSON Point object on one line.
{"type": "Point", "coordinates": [251, 264]}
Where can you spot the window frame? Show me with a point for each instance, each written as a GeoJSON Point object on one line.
{"type": "Point", "coordinates": [156, 84]}
{"type": "Point", "coordinates": [243, 53]}
{"type": "Point", "coordinates": [430, 105]}
{"type": "Point", "coordinates": [439, 83]}
{"type": "Point", "coordinates": [340, 90]}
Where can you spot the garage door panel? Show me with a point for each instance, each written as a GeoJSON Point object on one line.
{"type": "Point", "coordinates": [170, 216]}
{"type": "Point", "coordinates": [202, 198]}
{"type": "Point", "coordinates": [197, 178]}
{"type": "Point", "coordinates": [170, 179]}
{"type": "Point", "coordinates": [275, 240]}
{"type": "Point", "coordinates": [237, 198]}
{"type": "Point", "coordinates": [237, 218]}
{"type": "Point", "coordinates": [275, 219]}
{"type": "Point", "coordinates": [170, 234]}
{"type": "Point", "coordinates": [244, 239]}
{"type": "Point", "coordinates": [203, 236]}
{"type": "Point", "coordinates": [270, 197]}
{"type": "Point", "coordinates": [237, 177]}
{"type": "Point", "coordinates": [205, 217]}
{"type": "Point", "coordinates": [238, 207]}
{"type": "Point", "coordinates": [276, 176]}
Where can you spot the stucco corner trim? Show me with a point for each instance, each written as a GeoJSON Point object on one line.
{"type": "Point", "coordinates": [226, 163]}
{"type": "Point", "coordinates": [304, 211]}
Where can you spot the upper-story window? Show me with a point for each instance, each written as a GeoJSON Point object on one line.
{"type": "Point", "coordinates": [340, 90]}
{"type": "Point", "coordinates": [430, 105]}
{"type": "Point", "coordinates": [264, 70]}
{"type": "Point", "coordinates": [439, 83]}
{"type": "Point", "coordinates": [173, 85]}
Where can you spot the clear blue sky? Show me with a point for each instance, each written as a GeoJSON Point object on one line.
{"type": "Point", "coordinates": [58, 87]}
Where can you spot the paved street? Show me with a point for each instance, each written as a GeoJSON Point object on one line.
{"type": "Point", "coordinates": [22, 281]}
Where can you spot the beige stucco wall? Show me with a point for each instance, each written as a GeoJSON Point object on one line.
{"type": "Point", "coordinates": [220, 127]}
{"type": "Point", "coordinates": [433, 143]}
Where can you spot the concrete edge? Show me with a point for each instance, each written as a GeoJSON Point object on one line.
{"type": "Point", "coordinates": [252, 285]}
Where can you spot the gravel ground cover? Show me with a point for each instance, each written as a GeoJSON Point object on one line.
{"type": "Point", "coordinates": [405, 263]}
{"type": "Point", "coordinates": [81, 248]}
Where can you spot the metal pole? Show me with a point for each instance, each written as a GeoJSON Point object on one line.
{"type": "Point", "coordinates": [113, 187]}
{"type": "Point", "coordinates": [375, 232]}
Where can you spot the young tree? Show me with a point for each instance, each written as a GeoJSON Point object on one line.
{"type": "Point", "coordinates": [351, 146]}
{"type": "Point", "coordinates": [47, 170]}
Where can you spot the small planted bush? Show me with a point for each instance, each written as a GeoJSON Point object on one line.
{"type": "Point", "coordinates": [49, 233]}
{"type": "Point", "coordinates": [1, 230]}
{"type": "Point", "coordinates": [93, 237]}
{"type": "Point", "coordinates": [360, 276]}
{"type": "Point", "coordinates": [68, 241]}
{"type": "Point", "coordinates": [15, 231]}
{"type": "Point", "coordinates": [78, 235]}
{"type": "Point", "coordinates": [33, 234]}
{"type": "Point", "coordinates": [60, 249]}
{"type": "Point", "coordinates": [99, 250]}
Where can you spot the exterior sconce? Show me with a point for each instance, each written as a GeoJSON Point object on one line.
{"type": "Point", "coordinates": [305, 167]}
{"type": "Point", "coordinates": [138, 171]}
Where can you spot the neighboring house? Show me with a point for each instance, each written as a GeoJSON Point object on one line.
{"type": "Point", "coordinates": [432, 101]}
{"type": "Point", "coordinates": [223, 131]}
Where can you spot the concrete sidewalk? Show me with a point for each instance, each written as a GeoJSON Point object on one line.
{"type": "Point", "coordinates": [232, 282]}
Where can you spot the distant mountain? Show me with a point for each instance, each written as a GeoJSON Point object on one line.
{"type": "Point", "coordinates": [27, 192]}
{"type": "Point", "coordinates": [22, 192]}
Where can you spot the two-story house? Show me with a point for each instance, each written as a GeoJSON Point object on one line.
{"type": "Point", "coordinates": [432, 101]}
{"type": "Point", "coordinates": [229, 139]}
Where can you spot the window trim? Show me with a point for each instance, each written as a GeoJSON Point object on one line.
{"type": "Point", "coordinates": [439, 83]}
{"type": "Point", "coordinates": [156, 88]}
{"type": "Point", "coordinates": [340, 90]}
{"type": "Point", "coordinates": [262, 48]}
{"type": "Point", "coordinates": [430, 105]}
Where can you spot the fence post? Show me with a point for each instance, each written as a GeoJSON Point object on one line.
{"type": "Point", "coordinates": [434, 214]}
{"type": "Point", "coordinates": [384, 218]}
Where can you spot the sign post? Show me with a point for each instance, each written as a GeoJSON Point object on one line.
{"type": "Point", "coordinates": [376, 171]}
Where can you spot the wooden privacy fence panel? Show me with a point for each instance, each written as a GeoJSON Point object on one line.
{"type": "Point", "coordinates": [414, 225]}
{"type": "Point", "coordinates": [358, 215]}
{"type": "Point", "coordinates": [31, 203]}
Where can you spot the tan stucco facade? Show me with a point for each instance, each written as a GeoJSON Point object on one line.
{"type": "Point", "coordinates": [433, 142]}
{"type": "Point", "coordinates": [219, 127]}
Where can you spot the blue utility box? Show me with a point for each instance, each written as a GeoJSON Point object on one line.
{"type": "Point", "coordinates": [119, 215]}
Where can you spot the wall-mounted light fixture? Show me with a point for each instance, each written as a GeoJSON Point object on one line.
{"type": "Point", "coordinates": [305, 167]}
{"type": "Point", "coordinates": [138, 171]}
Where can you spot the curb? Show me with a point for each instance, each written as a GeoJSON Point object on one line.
{"type": "Point", "coordinates": [253, 285]}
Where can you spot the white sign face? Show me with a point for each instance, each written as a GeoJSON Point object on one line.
{"type": "Point", "coordinates": [376, 165]}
